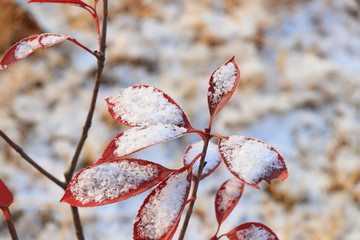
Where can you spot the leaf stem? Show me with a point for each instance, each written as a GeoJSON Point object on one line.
{"type": "Point", "coordinates": [10, 223]}
{"type": "Point", "coordinates": [21, 152]}
{"type": "Point", "coordinates": [196, 184]}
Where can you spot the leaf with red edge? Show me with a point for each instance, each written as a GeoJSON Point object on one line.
{"type": "Point", "coordinates": [27, 46]}
{"type": "Point", "coordinates": [142, 106]}
{"type": "Point", "coordinates": [74, 2]}
{"type": "Point", "coordinates": [227, 197]}
{"type": "Point", "coordinates": [6, 197]}
{"type": "Point", "coordinates": [251, 230]}
{"type": "Point", "coordinates": [222, 85]}
{"type": "Point", "coordinates": [212, 158]}
{"type": "Point", "coordinates": [138, 138]}
{"type": "Point", "coordinates": [113, 181]}
{"type": "Point", "coordinates": [252, 160]}
{"type": "Point", "coordinates": [159, 215]}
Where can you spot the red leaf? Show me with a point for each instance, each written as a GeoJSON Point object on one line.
{"type": "Point", "coordinates": [212, 158]}
{"type": "Point", "coordinates": [142, 106]}
{"type": "Point", "coordinates": [222, 85]}
{"type": "Point", "coordinates": [27, 46]}
{"type": "Point", "coordinates": [251, 230]}
{"type": "Point", "coordinates": [138, 138]}
{"type": "Point", "coordinates": [6, 198]}
{"type": "Point", "coordinates": [113, 181]}
{"type": "Point", "coordinates": [159, 215]}
{"type": "Point", "coordinates": [252, 160]}
{"type": "Point", "coordinates": [227, 197]}
{"type": "Point", "coordinates": [75, 2]}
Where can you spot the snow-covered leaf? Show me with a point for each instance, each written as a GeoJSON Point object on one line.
{"type": "Point", "coordinates": [27, 46]}
{"type": "Point", "coordinates": [6, 197]}
{"type": "Point", "coordinates": [159, 215]}
{"type": "Point", "coordinates": [251, 231]}
{"type": "Point", "coordinates": [74, 2]}
{"type": "Point", "coordinates": [222, 84]}
{"type": "Point", "coordinates": [113, 181]}
{"type": "Point", "coordinates": [252, 160]}
{"type": "Point", "coordinates": [227, 197]}
{"type": "Point", "coordinates": [212, 158]}
{"type": "Point", "coordinates": [142, 106]}
{"type": "Point", "coordinates": [138, 138]}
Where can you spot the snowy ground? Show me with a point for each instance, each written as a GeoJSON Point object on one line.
{"type": "Point", "coordinates": [299, 91]}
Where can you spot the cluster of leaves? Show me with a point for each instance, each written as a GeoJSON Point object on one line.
{"type": "Point", "coordinates": [154, 117]}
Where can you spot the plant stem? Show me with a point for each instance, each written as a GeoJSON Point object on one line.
{"type": "Point", "coordinates": [196, 184]}
{"type": "Point", "coordinates": [100, 67]}
{"type": "Point", "coordinates": [10, 223]}
{"type": "Point", "coordinates": [19, 150]}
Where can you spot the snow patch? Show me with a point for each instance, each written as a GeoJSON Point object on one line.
{"type": "Point", "coordinates": [231, 191]}
{"type": "Point", "coordinates": [110, 180]}
{"type": "Point", "coordinates": [51, 39]}
{"type": "Point", "coordinates": [25, 48]}
{"type": "Point", "coordinates": [223, 79]}
{"type": "Point", "coordinates": [248, 158]}
{"type": "Point", "coordinates": [254, 233]}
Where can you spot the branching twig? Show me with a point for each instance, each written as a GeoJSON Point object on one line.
{"type": "Point", "coordinates": [196, 185]}
{"type": "Point", "coordinates": [19, 150]}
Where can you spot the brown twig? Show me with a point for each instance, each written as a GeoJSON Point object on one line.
{"type": "Point", "coordinates": [196, 184]}
{"type": "Point", "coordinates": [100, 66]}
{"type": "Point", "coordinates": [19, 150]}
{"type": "Point", "coordinates": [10, 223]}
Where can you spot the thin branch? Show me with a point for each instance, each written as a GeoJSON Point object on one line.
{"type": "Point", "coordinates": [21, 152]}
{"type": "Point", "coordinates": [196, 185]}
{"type": "Point", "coordinates": [10, 223]}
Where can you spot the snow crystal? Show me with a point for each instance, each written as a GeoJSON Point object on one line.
{"type": "Point", "coordinates": [212, 158]}
{"type": "Point", "coordinates": [136, 138]}
{"type": "Point", "coordinates": [51, 39]}
{"type": "Point", "coordinates": [26, 47]}
{"type": "Point", "coordinates": [110, 180]}
{"type": "Point", "coordinates": [2, 67]}
{"type": "Point", "coordinates": [254, 233]}
{"type": "Point", "coordinates": [145, 106]}
{"type": "Point", "coordinates": [229, 193]}
{"type": "Point", "coordinates": [223, 79]}
{"type": "Point", "coordinates": [250, 159]}
{"type": "Point", "coordinates": [162, 209]}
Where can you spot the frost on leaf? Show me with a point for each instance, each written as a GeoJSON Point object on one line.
{"type": "Point", "coordinates": [6, 197]}
{"type": "Point", "coordinates": [142, 106]}
{"type": "Point", "coordinates": [222, 85]}
{"type": "Point", "coordinates": [113, 181]}
{"type": "Point", "coordinates": [138, 138]}
{"type": "Point", "coordinates": [212, 158]}
{"type": "Point", "coordinates": [227, 197]}
{"type": "Point", "coordinates": [252, 160]}
{"type": "Point", "coordinates": [160, 213]}
{"type": "Point", "coordinates": [251, 231]}
{"type": "Point", "coordinates": [27, 46]}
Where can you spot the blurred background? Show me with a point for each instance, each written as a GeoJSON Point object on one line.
{"type": "Point", "coordinates": [299, 91]}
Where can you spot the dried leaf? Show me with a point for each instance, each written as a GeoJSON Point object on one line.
{"type": "Point", "coordinates": [159, 215]}
{"type": "Point", "coordinates": [227, 197]}
{"type": "Point", "coordinates": [212, 158]}
{"type": "Point", "coordinates": [6, 197]}
{"type": "Point", "coordinates": [138, 138]}
{"type": "Point", "coordinates": [251, 230]}
{"type": "Point", "coordinates": [142, 106]}
{"type": "Point", "coordinates": [222, 85]}
{"type": "Point", "coordinates": [113, 181]}
{"type": "Point", "coordinates": [252, 160]}
{"type": "Point", "coordinates": [27, 46]}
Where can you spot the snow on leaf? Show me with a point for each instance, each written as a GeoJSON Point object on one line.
{"type": "Point", "coordinates": [212, 158]}
{"type": "Point", "coordinates": [138, 138]}
{"type": "Point", "coordinates": [113, 181]}
{"type": "Point", "coordinates": [27, 46]}
{"type": "Point", "coordinates": [227, 197]}
{"type": "Point", "coordinates": [6, 197]}
{"type": "Point", "coordinates": [141, 106]}
{"type": "Point", "coordinates": [252, 160]}
{"type": "Point", "coordinates": [222, 85]}
{"type": "Point", "coordinates": [159, 215]}
{"type": "Point", "coordinates": [251, 231]}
